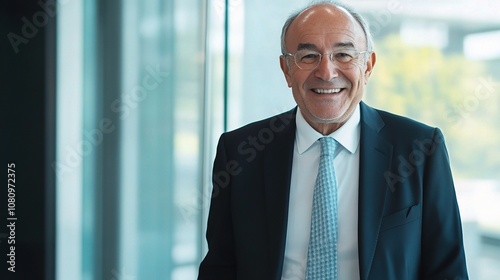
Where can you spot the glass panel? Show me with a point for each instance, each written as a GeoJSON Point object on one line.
{"type": "Point", "coordinates": [69, 136]}
{"type": "Point", "coordinates": [162, 118]}
{"type": "Point", "coordinates": [257, 88]}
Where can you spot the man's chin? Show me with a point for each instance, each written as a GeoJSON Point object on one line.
{"type": "Point", "coordinates": [332, 118]}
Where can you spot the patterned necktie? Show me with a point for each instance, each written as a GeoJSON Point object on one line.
{"type": "Point", "coordinates": [322, 250]}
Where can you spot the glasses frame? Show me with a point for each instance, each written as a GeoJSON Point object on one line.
{"type": "Point", "coordinates": [330, 56]}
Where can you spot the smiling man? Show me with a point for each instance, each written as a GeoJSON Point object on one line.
{"type": "Point", "coordinates": [327, 91]}
{"type": "Point", "coordinates": [334, 189]}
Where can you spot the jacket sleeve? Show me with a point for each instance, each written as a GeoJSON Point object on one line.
{"type": "Point", "coordinates": [443, 254]}
{"type": "Point", "coordinates": [220, 261]}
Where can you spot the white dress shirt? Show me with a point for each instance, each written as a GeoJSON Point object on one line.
{"type": "Point", "coordinates": [304, 171]}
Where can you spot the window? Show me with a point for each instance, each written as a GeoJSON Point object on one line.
{"type": "Point", "coordinates": [132, 125]}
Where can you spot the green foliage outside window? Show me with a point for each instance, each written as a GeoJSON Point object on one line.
{"type": "Point", "coordinates": [446, 90]}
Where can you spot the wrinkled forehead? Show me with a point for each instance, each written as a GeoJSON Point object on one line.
{"type": "Point", "coordinates": [325, 26]}
{"type": "Point", "coordinates": [324, 42]}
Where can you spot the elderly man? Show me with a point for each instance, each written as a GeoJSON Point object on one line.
{"type": "Point", "coordinates": [332, 189]}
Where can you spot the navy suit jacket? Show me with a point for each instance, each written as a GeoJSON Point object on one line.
{"type": "Point", "coordinates": [409, 223]}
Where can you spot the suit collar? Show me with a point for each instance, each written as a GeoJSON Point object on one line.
{"type": "Point", "coordinates": [375, 161]}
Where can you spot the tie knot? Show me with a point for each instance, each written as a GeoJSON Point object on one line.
{"type": "Point", "coordinates": [328, 146]}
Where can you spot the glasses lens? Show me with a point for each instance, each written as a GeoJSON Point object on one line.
{"type": "Point", "coordinates": [307, 60]}
{"type": "Point", "coordinates": [344, 56]}
{"type": "Point", "coordinates": [347, 58]}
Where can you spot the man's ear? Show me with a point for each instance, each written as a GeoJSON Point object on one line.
{"type": "Point", "coordinates": [370, 63]}
{"type": "Point", "coordinates": [286, 70]}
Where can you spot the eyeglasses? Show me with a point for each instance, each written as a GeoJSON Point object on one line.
{"type": "Point", "coordinates": [309, 60]}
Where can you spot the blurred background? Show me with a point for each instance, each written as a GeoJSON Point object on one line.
{"type": "Point", "coordinates": [113, 111]}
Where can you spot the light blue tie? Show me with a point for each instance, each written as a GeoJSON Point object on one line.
{"type": "Point", "coordinates": [322, 250]}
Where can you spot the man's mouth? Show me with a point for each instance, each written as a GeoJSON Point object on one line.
{"type": "Point", "coordinates": [327, 91]}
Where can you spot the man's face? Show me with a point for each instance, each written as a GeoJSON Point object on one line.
{"type": "Point", "coordinates": [328, 94]}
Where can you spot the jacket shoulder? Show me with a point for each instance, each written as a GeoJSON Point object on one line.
{"type": "Point", "coordinates": [395, 129]}
{"type": "Point", "coordinates": [404, 126]}
{"type": "Point", "coordinates": [403, 122]}
{"type": "Point", "coordinates": [263, 128]}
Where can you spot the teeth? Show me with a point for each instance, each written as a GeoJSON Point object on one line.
{"type": "Point", "coordinates": [327, 91]}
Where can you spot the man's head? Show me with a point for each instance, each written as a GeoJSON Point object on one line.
{"type": "Point", "coordinates": [327, 92]}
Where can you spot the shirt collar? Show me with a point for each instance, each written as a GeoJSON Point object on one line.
{"type": "Point", "coordinates": [347, 135]}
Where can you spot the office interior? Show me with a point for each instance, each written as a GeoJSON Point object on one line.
{"type": "Point", "coordinates": [113, 110]}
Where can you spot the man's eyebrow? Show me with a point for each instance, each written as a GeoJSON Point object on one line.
{"type": "Point", "coordinates": [307, 46]}
{"type": "Point", "coordinates": [310, 46]}
{"type": "Point", "coordinates": [344, 45]}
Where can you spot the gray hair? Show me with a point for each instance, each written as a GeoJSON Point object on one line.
{"type": "Point", "coordinates": [354, 14]}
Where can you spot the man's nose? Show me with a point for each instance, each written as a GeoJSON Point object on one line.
{"type": "Point", "coordinates": [327, 69]}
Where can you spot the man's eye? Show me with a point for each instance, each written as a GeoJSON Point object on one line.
{"type": "Point", "coordinates": [343, 57]}
{"type": "Point", "coordinates": [311, 57]}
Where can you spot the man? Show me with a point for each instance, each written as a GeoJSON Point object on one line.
{"type": "Point", "coordinates": [394, 213]}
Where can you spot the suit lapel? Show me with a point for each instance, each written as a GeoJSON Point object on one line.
{"type": "Point", "coordinates": [277, 170]}
{"type": "Point", "coordinates": [375, 160]}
